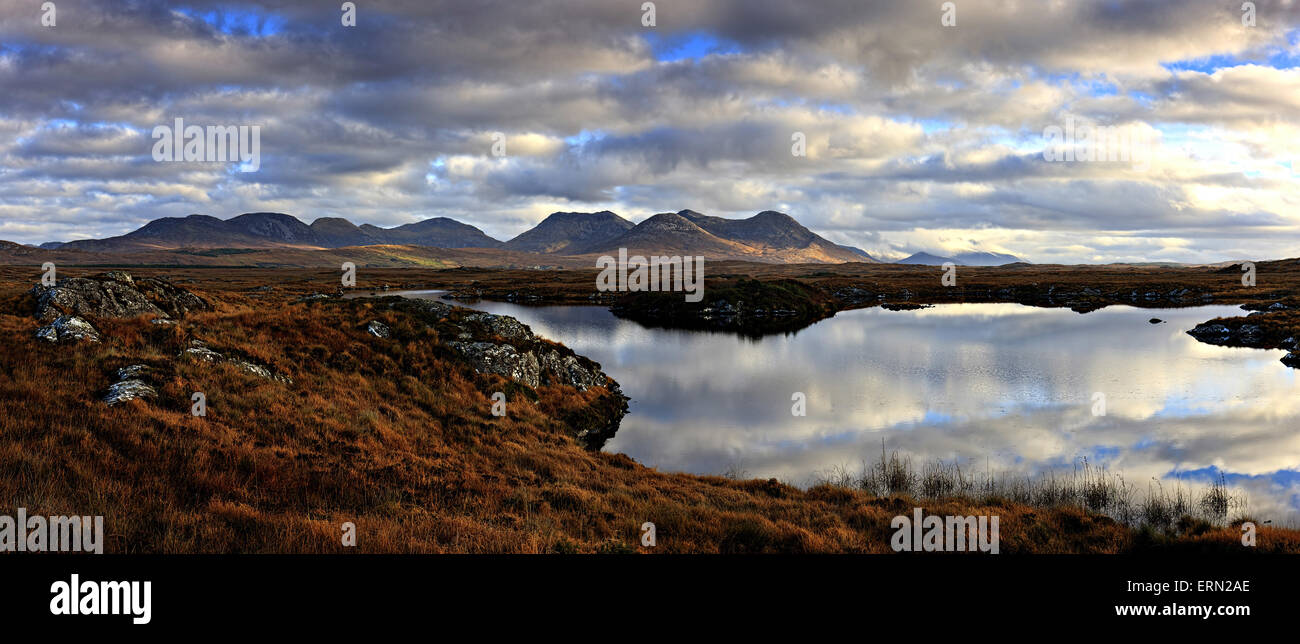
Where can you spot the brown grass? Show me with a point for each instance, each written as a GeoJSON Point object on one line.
{"type": "Point", "coordinates": [397, 437]}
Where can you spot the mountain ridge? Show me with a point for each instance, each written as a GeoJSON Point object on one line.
{"type": "Point", "coordinates": [768, 236]}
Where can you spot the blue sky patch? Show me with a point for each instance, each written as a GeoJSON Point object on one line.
{"type": "Point", "coordinates": [689, 46]}
{"type": "Point", "coordinates": [238, 22]}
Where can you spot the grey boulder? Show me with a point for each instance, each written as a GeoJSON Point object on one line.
{"type": "Point", "coordinates": [68, 328]}
{"type": "Point", "coordinates": [502, 359]}
{"type": "Point", "coordinates": [120, 392]}
{"type": "Point", "coordinates": [378, 329]}
{"type": "Point", "coordinates": [115, 294]}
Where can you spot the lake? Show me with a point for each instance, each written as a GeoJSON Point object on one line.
{"type": "Point", "coordinates": [1002, 387]}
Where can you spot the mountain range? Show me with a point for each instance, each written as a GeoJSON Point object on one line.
{"type": "Point", "coordinates": [768, 236]}
{"type": "Point", "coordinates": [972, 258]}
{"type": "Point", "coordinates": [276, 230]}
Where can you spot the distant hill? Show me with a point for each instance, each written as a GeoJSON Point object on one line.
{"type": "Point", "coordinates": [973, 258]}
{"type": "Point", "coordinates": [926, 259]}
{"type": "Point", "coordinates": [337, 232]}
{"type": "Point", "coordinates": [567, 232]}
{"type": "Point", "coordinates": [439, 232]}
{"type": "Point", "coordinates": [275, 227]}
{"type": "Point", "coordinates": [984, 258]}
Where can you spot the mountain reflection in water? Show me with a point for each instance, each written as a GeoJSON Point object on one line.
{"type": "Point", "coordinates": [999, 386]}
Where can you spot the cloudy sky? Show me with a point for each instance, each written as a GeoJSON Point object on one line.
{"type": "Point", "coordinates": [919, 135]}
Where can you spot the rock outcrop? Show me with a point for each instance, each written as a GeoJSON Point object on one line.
{"type": "Point", "coordinates": [500, 325]}
{"type": "Point", "coordinates": [525, 357]}
{"type": "Point", "coordinates": [114, 294]}
{"type": "Point", "coordinates": [503, 346]}
{"type": "Point", "coordinates": [433, 307]}
{"type": "Point", "coordinates": [131, 384]}
{"type": "Point", "coordinates": [533, 368]}
{"type": "Point", "coordinates": [570, 370]}
{"type": "Point", "coordinates": [68, 328]}
{"type": "Point", "coordinates": [1239, 335]}
{"type": "Point", "coordinates": [120, 392]}
{"type": "Point", "coordinates": [133, 372]}
{"type": "Point", "coordinates": [501, 359]}
{"type": "Point", "coordinates": [200, 351]}
{"type": "Point", "coordinates": [174, 300]}
{"type": "Point", "coordinates": [378, 329]}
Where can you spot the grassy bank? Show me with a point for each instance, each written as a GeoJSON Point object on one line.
{"type": "Point", "coordinates": [1178, 509]}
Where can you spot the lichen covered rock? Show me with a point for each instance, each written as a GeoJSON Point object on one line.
{"type": "Point", "coordinates": [378, 329]}
{"type": "Point", "coordinates": [114, 294]}
{"type": "Point", "coordinates": [122, 391]}
{"type": "Point", "coordinates": [501, 359]}
{"type": "Point", "coordinates": [68, 328]}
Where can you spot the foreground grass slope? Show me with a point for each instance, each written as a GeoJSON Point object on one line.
{"type": "Point", "coordinates": [396, 435]}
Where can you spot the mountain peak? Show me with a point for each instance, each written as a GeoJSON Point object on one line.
{"type": "Point", "coordinates": [668, 220]}
{"type": "Point", "coordinates": [338, 232]}
{"type": "Point", "coordinates": [275, 226]}
{"type": "Point", "coordinates": [772, 215]}
{"type": "Point", "coordinates": [579, 215]}
{"type": "Point", "coordinates": [330, 221]}
{"type": "Point", "coordinates": [570, 233]}
{"type": "Point", "coordinates": [986, 258]}
{"type": "Point", "coordinates": [441, 232]}
{"type": "Point", "coordinates": [926, 259]}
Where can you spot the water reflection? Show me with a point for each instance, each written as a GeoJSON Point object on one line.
{"type": "Point", "coordinates": [1002, 386]}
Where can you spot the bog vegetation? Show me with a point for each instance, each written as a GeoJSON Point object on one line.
{"type": "Point", "coordinates": [396, 435]}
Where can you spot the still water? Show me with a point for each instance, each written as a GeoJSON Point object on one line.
{"type": "Point", "coordinates": [999, 386]}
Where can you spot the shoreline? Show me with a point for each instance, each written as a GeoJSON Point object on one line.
{"type": "Point", "coordinates": [794, 299]}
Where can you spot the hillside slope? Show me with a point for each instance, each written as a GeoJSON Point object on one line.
{"type": "Point", "coordinates": [562, 232]}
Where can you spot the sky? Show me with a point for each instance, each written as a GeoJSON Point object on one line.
{"type": "Point", "coordinates": [924, 125]}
